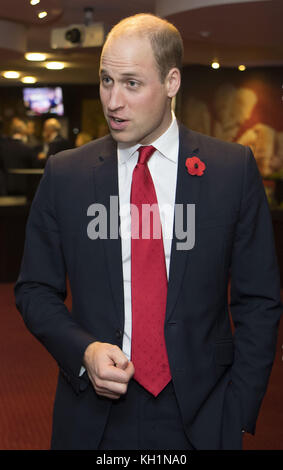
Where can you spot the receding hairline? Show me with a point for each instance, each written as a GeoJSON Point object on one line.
{"type": "Point", "coordinates": [149, 26]}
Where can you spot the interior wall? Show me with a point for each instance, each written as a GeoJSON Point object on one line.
{"type": "Point", "coordinates": [244, 107]}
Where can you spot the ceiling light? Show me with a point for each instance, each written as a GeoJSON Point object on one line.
{"type": "Point", "coordinates": [215, 64]}
{"type": "Point", "coordinates": [42, 14]}
{"type": "Point", "coordinates": [11, 74]}
{"type": "Point", "coordinates": [34, 2]}
{"type": "Point", "coordinates": [205, 34]}
{"type": "Point", "coordinates": [35, 56]}
{"type": "Point", "coordinates": [28, 79]}
{"type": "Point", "coordinates": [242, 68]}
{"type": "Point", "coordinates": [55, 65]}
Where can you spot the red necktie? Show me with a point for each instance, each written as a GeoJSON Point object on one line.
{"type": "Point", "coordinates": [149, 282]}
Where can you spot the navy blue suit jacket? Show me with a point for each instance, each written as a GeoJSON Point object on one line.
{"type": "Point", "coordinates": [219, 378]}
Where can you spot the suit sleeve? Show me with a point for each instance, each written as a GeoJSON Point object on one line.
{"type": "Point", "coordinates": [40, 290]}
{"type": "Point", "coordinates": [255, 296]}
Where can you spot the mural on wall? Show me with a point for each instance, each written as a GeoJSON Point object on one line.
{"type": "Point", "coordinates": [234, 107]}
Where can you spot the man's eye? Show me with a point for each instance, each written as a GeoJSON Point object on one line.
{"type": "Point", "coordinates": [106, 80]}
{"type": "Point", "coordinates": [132, 83]}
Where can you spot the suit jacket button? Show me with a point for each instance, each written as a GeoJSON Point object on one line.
{"type": "Point", "coordinates": [119, 333]}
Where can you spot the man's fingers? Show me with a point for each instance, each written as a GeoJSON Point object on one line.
{"type": "Point", "coordinates": [118, 357]}
{"type": "Point", "coordinates": [113, 387]}
{"type": "Point", "coordinates": [130, 369]}
{"type": "Point", "coordinates": [113, 374]}
{"type": "Point", "coordinates": [109, 369]}
{"type": "Point", "coordinates": [103, 392]}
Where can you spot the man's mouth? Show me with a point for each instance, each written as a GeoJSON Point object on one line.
{"type": "Point", "coordinates": [118, 119]}
{"type": "Point", "coordinates": [117, 123]}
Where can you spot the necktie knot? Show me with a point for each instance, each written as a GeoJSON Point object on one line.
{"type": "Point", "coordinates": [145, 153]}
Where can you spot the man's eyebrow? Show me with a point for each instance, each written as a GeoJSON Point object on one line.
{"type": "Point", "coordinates": [130, 74]}
{"type": "Point", "coordinates": [123, 74]}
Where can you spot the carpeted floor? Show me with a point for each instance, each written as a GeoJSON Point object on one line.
{"type": "Point", "coordinates": [28, 382]}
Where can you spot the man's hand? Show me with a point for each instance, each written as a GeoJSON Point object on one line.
{"type": "Point", "coordinates": [108, 369]}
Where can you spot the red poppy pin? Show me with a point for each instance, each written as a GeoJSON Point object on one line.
{"type": "Point", "coordinates": [195, 166]}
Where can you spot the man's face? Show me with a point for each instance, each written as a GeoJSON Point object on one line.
{"type": "Point", "coordinates": [135, 102]}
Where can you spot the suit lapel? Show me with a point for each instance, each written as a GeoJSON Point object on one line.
{"type": "Point", "coordinates": [187, 192]}
{"type": "Point", "coordinates": [105, 186]}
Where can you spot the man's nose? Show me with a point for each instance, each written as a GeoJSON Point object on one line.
{"type": "Point", "coordinates": [116, 100]}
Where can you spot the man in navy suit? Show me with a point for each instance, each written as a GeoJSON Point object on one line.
{"type": "Point", "coordinates": [217, 379]}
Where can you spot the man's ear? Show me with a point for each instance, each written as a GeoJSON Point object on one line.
{"type": "Point", "coordinates": [173, 82]}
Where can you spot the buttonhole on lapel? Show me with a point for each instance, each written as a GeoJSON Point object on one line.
{"type": "Point", "coordinates": [101, 159]}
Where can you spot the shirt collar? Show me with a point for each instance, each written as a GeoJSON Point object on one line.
{"type": "Point", "coordinates": [165, 144]}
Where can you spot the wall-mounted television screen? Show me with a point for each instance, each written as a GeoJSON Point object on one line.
{"type": "Point", "coordinates": [43, 100]}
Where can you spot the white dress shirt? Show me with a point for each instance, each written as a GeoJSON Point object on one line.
{"type": "Point", "coordinates": [163, 166]}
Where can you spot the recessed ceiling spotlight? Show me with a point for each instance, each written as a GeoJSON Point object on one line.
{"type": "Point", "coordinates": [28, 79]}
{"type": "Point", "coordinates": [215, 64]}
{"type": "Point", "coordinates": [11, 74]}
{"type": "Point", "coordinates": [205, 34]}
{"type": "Point", "coordinates": [35, 56]}
{"type": "Point", "coordinates": [55, 65]}
{"type": "Point", "coordinates": [42, 14]}
{"type": "Point", "coordinates": [34, 2]}
{"type": "Point", "coordinates": [242, 68]}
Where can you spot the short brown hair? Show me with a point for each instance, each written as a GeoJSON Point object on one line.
{"type": "Point", "coordinates": [165, 39]}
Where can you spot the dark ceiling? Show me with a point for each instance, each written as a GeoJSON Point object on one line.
{"type": "Point", "coordinates": [248, 32]}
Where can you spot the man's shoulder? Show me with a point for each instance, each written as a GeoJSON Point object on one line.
{"type": "Point", "coordinates": [230, 157]}
{"type": "Point", "coordinates": [86, 155]}
{"type": "Point", "coordinates": [204, 141]}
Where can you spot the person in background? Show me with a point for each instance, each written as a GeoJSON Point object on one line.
{"type": "Point", "coordinates": [31, 139]}
{"type": "Point", "coordinates": [16, 155]}
{"type": "Point", "coordinates": [53, 141]}
{"type": "Point", "coordinates": [18, 130]}
{"type": "Point", "coordinates": [82, 138]}
{"type": "Point", "coordinates": [148, 358]}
